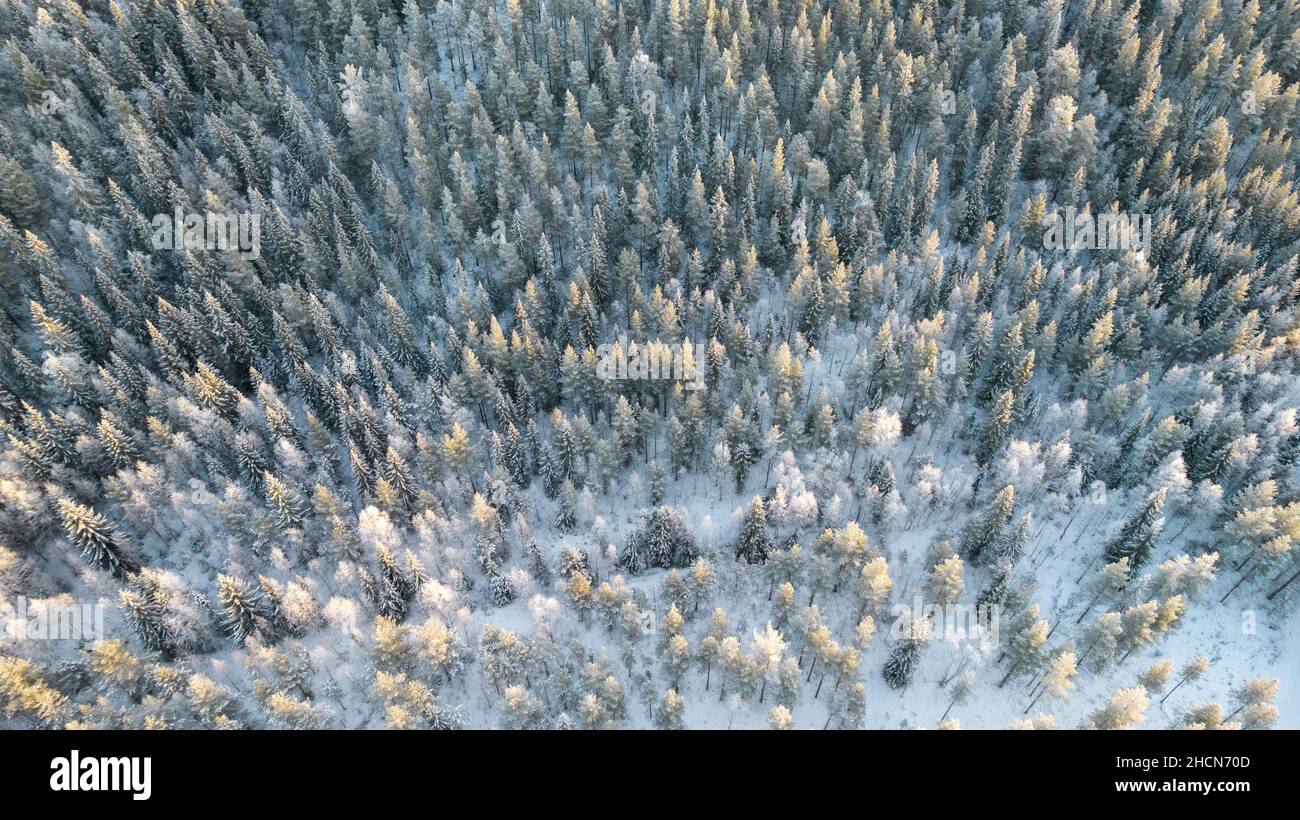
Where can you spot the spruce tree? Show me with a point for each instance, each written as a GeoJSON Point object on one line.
{"type": "Point", "coordinates": [901, 665]}
{"type": "Point", "coordinates": [1140, 532]}
{"type": "Point", "coordinates": [754, 543]}
{"type": "Point", "coordinates": [100, 544]}
{"type": "Point", "coordinates": [660, 540]}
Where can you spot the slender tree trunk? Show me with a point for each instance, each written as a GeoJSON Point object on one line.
{"type": "Point", "coordinates": [946, 711]}
{"type": "Point", "coordinates": [1246, 560]}
{"type": "Point", "coordinates": [1288, 583]}
{"type": "Point", "coordinates": [1032, 702]}
{"type": "Point", "coordinates": [1086, 653]}
{"type": "Point", "coordinates": [1091, 604]}
{"type": "Point", "coordinates": [1175, 689]}
{"type": "Point", "coordinates": [1240, 581]}
{"type": "Point", "coordinates": [1010, 672]}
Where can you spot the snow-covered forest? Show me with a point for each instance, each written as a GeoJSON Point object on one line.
{"type": "Point", "coordinates": [666, 364]}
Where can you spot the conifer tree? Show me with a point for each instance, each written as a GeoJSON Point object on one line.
{"type": "Point", "coordinates": [898, 670]}
{"type": "Point", "coordinates": [100, 544]}
{"type": "Point", "coordinates": [1140, 532]}
{"type": "Point", "coordinates": [754, 543]}
{"type": "Point", "coordinates": [661, 540]}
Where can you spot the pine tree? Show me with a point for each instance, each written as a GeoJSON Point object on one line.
{"type": "Point", "coordinates": [780, 718]}
{"type": "Point", "coordinates": [945, 582]}
{"type": "Point", "coordinates": [456, 450]}
{"type": "Point", "coordinates": [669, 715]}
{"type": "Point", "coordinates": [754, 543]}
{"type": "Point", "coordinates": [1125, 708]}
{"type": "Point", "coordinates": [1010, 545]}
{"type": "Point", "coordinates": [1025, 648]}
{"type": "Point", "coordinates": [145, 618]}
{"type": "Point", "coordinates": [500, 590]}
{"type": "Point", "coordinates": [660, 540]}
{"type": "Point", "coordinates": [244, 610]}
{"type": "Point", "coordinates": [566, 516]}
{"type": "Point", "coordinates": [656, 476]}
{"type": "Point", "coordinates": [1112, 580]}
{"type": "Point", "coordinates": [285, 503]}
{"type": "Point", "coordinates": [906, 653]}
{"type": "Point", "coordinates": [1192, 670]}
{"type": "Point", "coordinates": [994, 433]}
{"type": "Point", "coordinates": [1139, 534]}
{"type": "Point", "coordinates": [395, 587]}
{"type": "Point", "coordinates": [981, 535]}
{"type": "Point", "coordinates": [100, 544]}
